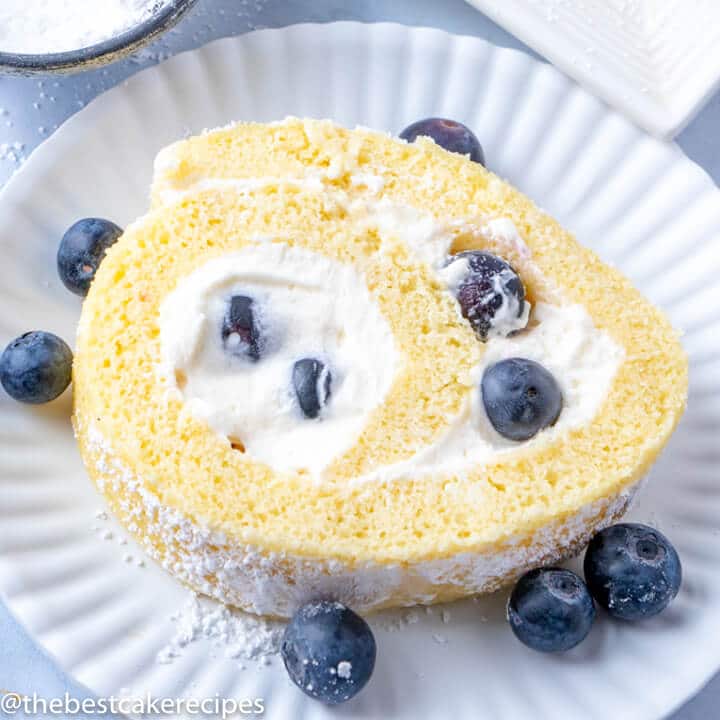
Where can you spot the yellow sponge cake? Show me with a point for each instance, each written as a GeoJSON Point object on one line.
{"type": "Point", "coordinates": [331, 363]}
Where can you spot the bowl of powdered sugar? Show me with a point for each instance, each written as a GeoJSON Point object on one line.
{"type": "Point", "coordinates": [43, 36]}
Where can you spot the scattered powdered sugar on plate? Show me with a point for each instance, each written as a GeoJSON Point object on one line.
{"type": "Point", "coordinates": [394, 620]}
{"type": "Point", "coordinates": [239, 635]}
{"type": "Point", "coordinates": [13, 152]}
{"type": "Point", "coordinates": [242, 636]}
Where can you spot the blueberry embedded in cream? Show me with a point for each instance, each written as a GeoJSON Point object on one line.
{"type": "Point", "coordinates": [311, 380]}
{"type": "Point", "coordinates": [240, 331]}
{"type": "Point", "coordinates": [520, 397]}
{"type": "Point", "coordinates": [490, 292]}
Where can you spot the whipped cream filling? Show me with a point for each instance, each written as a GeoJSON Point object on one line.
{"type": "Point", "coordinates": [256, 405]}
{"type": "Point", "coordinates": [564, 340]}
{"type": "Point", "coordinates": [308, 306]}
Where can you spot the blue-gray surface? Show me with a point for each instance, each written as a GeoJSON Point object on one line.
{"type": "Point", "coordinates": [30, 110]}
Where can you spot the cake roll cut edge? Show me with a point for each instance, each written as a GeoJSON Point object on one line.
{"type": "Point", "coordinates": [275, 584]}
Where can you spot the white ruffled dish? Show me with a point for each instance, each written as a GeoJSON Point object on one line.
{"type": "Point", "coordinates": [638, 202]}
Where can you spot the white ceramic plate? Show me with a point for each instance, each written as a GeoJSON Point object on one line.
{"type": "Point", "coordinates": [639, 202]}
{"type": "Point", "coordinates": [655, 60]}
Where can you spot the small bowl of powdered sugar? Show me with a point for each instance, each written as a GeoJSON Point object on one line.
{"type": "Point", "coordinates": [44, 36]}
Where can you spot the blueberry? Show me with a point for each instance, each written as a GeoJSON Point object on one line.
{"type": "Point", "coordinates": [550, 610]}
{"type": "Point", "coordinates": [491, 294]}
{"type": "Point", "coordinates": [240, 330]}
{"type": "Point", "coordinates": [328, 651]}
{"type": "Point", "coordinates": [36, 367]}
{"type": "Point", "coordinates": [311, 380]}
{"type": "Point", "coordinates": [520, 398]}
{"type": "Point", "coordinates": [632, 570]}
{"type": "Point", "coordinates": [81, 251]}
{"type": "Point", "coordinates": [448, 134]}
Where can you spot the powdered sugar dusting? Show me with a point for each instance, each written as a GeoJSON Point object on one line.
{"type": "Point", "coordinates": [344, 669]}
{"type": "Point", "coordinates": [277, 584]}
{"type": "Point", "coordinates": [240, 636]}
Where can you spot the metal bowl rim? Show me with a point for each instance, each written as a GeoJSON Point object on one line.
{"type": "Point", "coordinates": [93, 55]}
